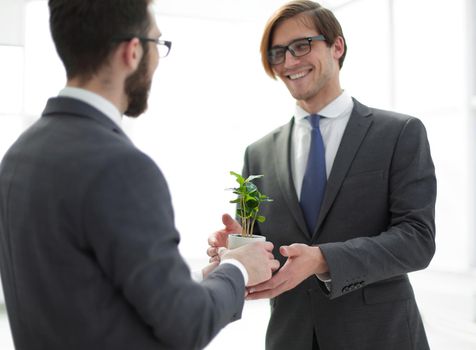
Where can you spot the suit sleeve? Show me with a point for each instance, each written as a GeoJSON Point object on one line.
{"type": "Point", "coordinates": [409, 242]}
{"type": "Point", "coordinates": [129, 224]}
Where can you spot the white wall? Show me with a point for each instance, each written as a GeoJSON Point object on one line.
{"type": "Point", "coordinates": [12, 26]}
{"type": "Point", "coordinates": [211, 98]}
{"type": "Point", "coordinates": [12, 22]}
{"type": "Point", "coordinates": [471, 83]}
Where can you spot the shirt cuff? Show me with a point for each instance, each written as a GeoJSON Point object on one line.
{"type": "Point", "coordinates": [326, 279]}
{"type": "Point", "coordinates": [239, 266]}
{"type": "Point", "coordinates": [197, 276]}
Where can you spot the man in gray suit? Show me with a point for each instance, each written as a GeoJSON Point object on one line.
{"type": "Point", "coordinates": [346, 254]}
{"type": "Point", "coordinates": [88, 246]}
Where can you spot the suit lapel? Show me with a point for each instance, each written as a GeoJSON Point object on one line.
{"type": "Point", "coordinates": [354, 134]}
{"type": "Point", "coordinates": [282, 150]}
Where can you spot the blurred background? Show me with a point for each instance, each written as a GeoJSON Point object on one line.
{"type": "Point", "coordinates": [211, 98]}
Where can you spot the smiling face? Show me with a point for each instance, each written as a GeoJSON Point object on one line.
{"type": "Point", "coordinates": [313, 79]}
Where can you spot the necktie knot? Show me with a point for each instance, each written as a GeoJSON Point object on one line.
{"type": "Point", "coordinates": [314, 120]}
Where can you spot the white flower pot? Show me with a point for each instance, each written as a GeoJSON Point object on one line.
{"type": "Point", "coordinates": [236, 240]}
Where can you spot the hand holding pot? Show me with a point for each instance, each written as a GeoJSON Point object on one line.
{"type": "Point", "coordinates": [220, 238]}
{"type": "Point", "coordinates": [256, 257]}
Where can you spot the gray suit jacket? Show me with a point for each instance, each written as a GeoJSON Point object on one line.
{"type": "Point", "coordinates": [376, 225]}
{"type": "Point", "coordinates": [88, 246]}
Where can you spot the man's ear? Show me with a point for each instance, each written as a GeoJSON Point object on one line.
{"type": "Point", "coordinates": [132, 53]}
{"type": "Point", "coordinates": [338, 47]}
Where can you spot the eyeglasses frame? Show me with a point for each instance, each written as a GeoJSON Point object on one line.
{"type": "Point", "coordinates": [309, 39]}
{"type": "Point", "coordinates": [157, 41]}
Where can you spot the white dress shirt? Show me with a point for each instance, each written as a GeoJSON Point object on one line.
{"type": "Point", "coordinates": [93, 99]}
{"type": "Point", "coordinates": [197, 276]}
{"type": "Point", "coordinates": [335, 117]}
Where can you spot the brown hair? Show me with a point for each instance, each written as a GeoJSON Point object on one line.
{"type": "Point", "coordinates": [321, 18]}
{"type": "Point", "coordinates": [85, 32]}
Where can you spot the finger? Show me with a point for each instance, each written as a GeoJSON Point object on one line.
{"type": "Point", "coordinates": [214, 238]}
{"type": "Point", "coordinates": [212, 241]}
{"type": "Point", "coordinates": [268, 293]}
{"type": "Point", "coordinates": [270, 284]}
{"type": "Point", "coordinates": [227, 220]}
{"type": "Point", "coordinates": [212, 251]}
{"type": "Point", "coordinates": [260, 287]}
{"type": "Point", "coordinates": [289, 250]}
{"type": "Point", "coordinates": [230, 223]}
{"type": "Point", "coordinates": [269, 246]}
{"type": "Point", "coordinates": [274, 265]}
{"type": "Point", "coordinates": [259, 295]}
{"type": "Point", "coordinates": [215, 258]}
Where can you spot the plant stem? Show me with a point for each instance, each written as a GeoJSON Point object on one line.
{"type": "Point", "coordinates": [253, 225]}
{"type": "Point", "coordinates": [243, 217]}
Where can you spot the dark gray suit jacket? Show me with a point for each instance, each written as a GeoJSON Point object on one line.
{"type": "Point", "coordinates": [376, 225]}
{"type": "Point", "coordinates": [88, 246]}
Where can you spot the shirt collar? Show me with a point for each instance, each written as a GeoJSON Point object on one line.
{"type": "Point", "coordinates": [95, 100]}
{"type": "Point", "coordinates": [334, 109]}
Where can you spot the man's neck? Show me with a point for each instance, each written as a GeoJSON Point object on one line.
{"type": "Point", "coordinates": [102, 88]}
{"type": "Point", "coordinates": [321, 99]}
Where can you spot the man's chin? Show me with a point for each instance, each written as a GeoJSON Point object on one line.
{"type": "Point", "coordinates": [137, 107]}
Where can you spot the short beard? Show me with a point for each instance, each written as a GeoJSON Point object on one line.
{"type": "Point", "coordinates": [137, 87]}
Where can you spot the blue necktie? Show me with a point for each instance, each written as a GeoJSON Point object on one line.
{"type": "Point", "coordinates": [315, 178]}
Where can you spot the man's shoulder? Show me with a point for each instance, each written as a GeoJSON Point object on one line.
{"type": "Point", "coordinates": [382, 116]}
{"type": "Point", "coordinates": [271, 136]}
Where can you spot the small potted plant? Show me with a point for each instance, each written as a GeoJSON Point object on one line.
{"type": "Point", "coordinates": [248, 202]}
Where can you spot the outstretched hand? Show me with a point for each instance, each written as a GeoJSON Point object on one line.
{"type": "Point", "coordinates": [303, 261]}
{"type": "Point", "coordinates": [220, 238]}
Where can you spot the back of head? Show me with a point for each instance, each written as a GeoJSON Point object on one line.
{"type": "Point", "coordinates": [315, 15]}
{"type": "Point", "coordinates": [86, 32]}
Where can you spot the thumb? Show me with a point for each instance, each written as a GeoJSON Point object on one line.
{"type": "Point", "coordinates": [230, 223]}
{"type": "Point", "coordinates": [289, 250]}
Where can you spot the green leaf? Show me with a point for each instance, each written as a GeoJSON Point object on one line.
{"type": "Point", "coordinates": [240, 179]}
{"type": "Point", "coordinates": [264, 198]}
{"type": "Point", "coordinates": [250, 187]}
{"type": "Point", "coordinates": [260, 219]}
{"type": "Point", "coordinates": [252, 177]}
{"type": "Point", "coordinates": [251, 203]}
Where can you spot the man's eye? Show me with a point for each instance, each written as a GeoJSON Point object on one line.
{"type": "Point", "coordinates": [300, 46]}
{"type": "Point", "coordinates": [277, 52]}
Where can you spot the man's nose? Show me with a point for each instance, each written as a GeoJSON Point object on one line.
{"type": "Point", "coordinates": [290, 59]}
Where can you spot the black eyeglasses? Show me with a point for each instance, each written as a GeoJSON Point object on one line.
{"type": "Point", "coordinates": [163, 46]}
{"type": "Point", "coordinates": [298, 48]}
